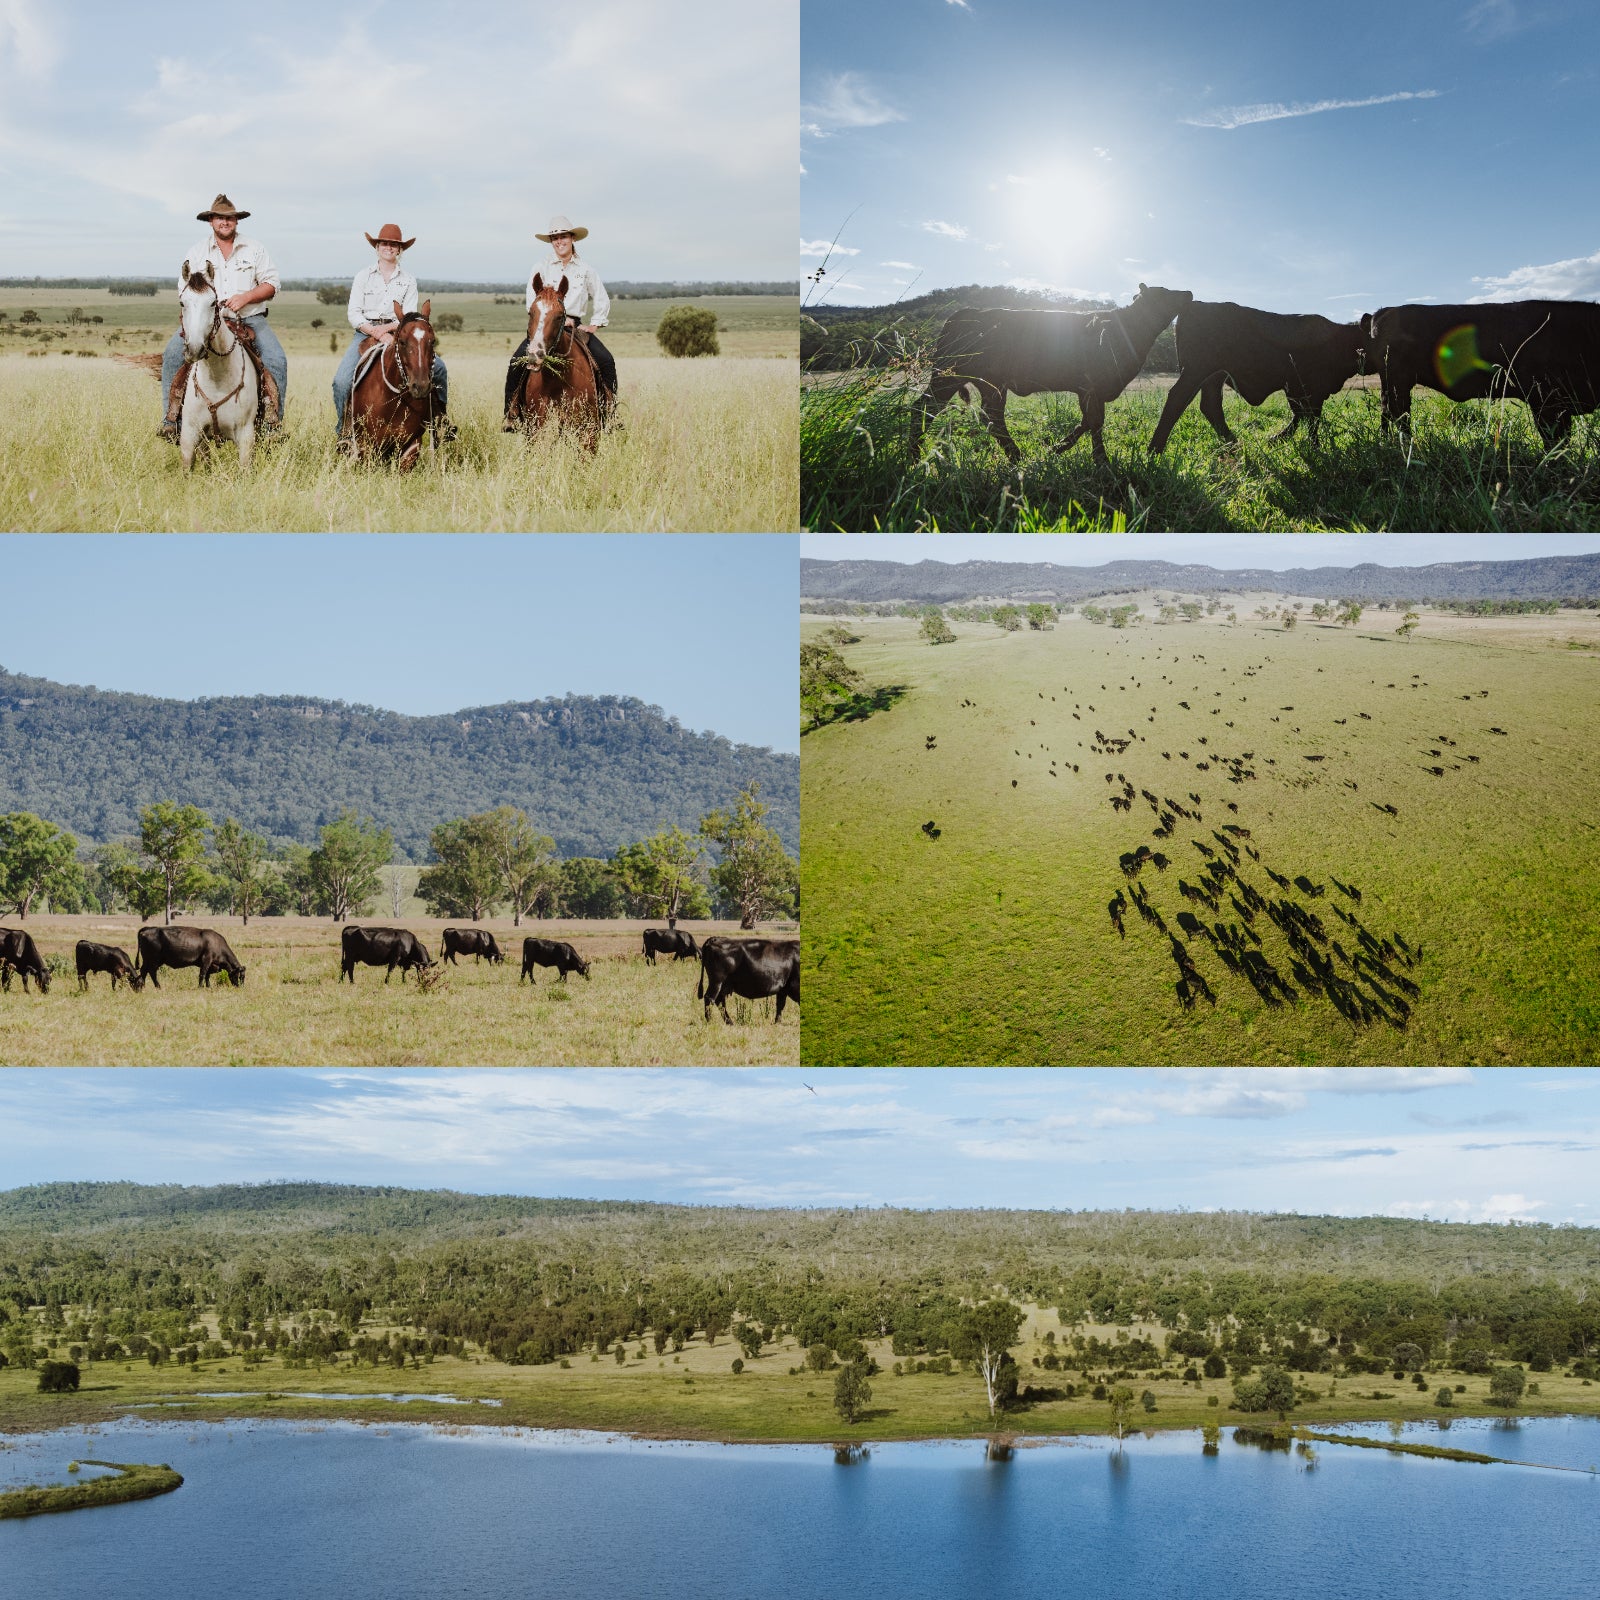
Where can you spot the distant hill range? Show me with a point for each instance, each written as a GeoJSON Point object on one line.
{"type": "Point", "coordinates": [941, 582]}
{"type": "Point", "coordinates": [622, 289]}
{"type": "Point", "coordinates": [594, 772]}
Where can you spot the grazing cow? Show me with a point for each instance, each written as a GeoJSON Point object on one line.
{"type": "Point", "coordinates": [94, 957]}
{"type": "Point", "coordinates": [474, 942]}
{"type": "Point", "coordinates": [1546, 352]}
{"type": "Point", "coordinates": [555, 953]}
{"type": "Point", "coordinates": [18, 953]}
{"type": "Point", "coordinates": [381, 947]}
{"type": "Point", "coordinates": [1258, 353]}
{"type": "Point", "coordinates": [752, 969]}
{"type": "Point", "coordinates": [672, 942]}
{"type": "Point", "coordinates": [1094, 355]}
{"type": "Point", "coordinates": [204, 948]}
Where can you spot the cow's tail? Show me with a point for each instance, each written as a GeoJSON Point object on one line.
{"type": "Point", "coordinates": [700, 984]}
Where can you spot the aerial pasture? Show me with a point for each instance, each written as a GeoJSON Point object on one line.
{"type": "Point", "coordinates": [1204, 842]}
{"type": "Point", "coordinates": [294, 1009]}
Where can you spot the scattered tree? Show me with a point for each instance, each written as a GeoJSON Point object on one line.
{"type": "Point", "coordinates": [173, 837]}
{"type": "Point", "coordinates": [344, 867]}
{"type": "Point", "coordinates": [1506, 1385]}
{"type": "Point", "coordinates": [1272, 1391]}
{"type": "Point", "coordinates": [827, 681]}
{"type": "Point", "coordinates": [984, 1336]}
{"type": "Point", "coordinates": [756, 875]}
{"type": "Point", "coordinates": [58, 1377]}
{"type": "Point", "coordinates": [1409, 625]}
{"type": "Point", "coordinates": [662, 875]}
{"type": "Point", "coordinates": [1041, 617]}
{"type": "Point", "coordinates": [242, 857]}
{"type": "Point", "coordinates": [688, 331]}
{"type": "Point", "coordinates": [934, 628]}
{"type": "Point", "coordinates": [36, 858]}
{"type": "Point", "coordinates": [851, 1391]}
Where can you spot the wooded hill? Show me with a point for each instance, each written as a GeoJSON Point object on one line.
{"type": "Point", "coordinates": [941, 582]}
{"type": "Point", "coordinates": [594, 772]}
{"type": "Point", "coordinates": [530, 1280]}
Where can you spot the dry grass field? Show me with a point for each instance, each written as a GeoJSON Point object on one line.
{"type": "Point", "coordinates": [708, 445]}
{"type": "Point", "coordinates": [294, 1010]}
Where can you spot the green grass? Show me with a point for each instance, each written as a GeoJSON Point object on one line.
{"type": "Point", "coordinates": [708, 444]}
{"type": "Point", "coordinates": [134, 1480]}
{"type": "Point", "coordinates": [294, 1011]}
{"type": "Point", "coordinates": [1472, 466]}
{"type": "Point", "coordinates": [991, 944]}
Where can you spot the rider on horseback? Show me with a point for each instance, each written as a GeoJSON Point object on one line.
{"type": "Point", "coordinates": [583, 287]}
{"type": "Point", "coordinates": [373, 293]}
{"type": "Point", "coordinates": [246, 279]}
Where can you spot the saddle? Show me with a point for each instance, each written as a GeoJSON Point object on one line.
{"type": "Point", "coordinates": [269, 404]}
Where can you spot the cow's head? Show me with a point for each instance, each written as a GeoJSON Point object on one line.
{"type": "Point", "coordinates": [236, 973]}
{"type": "Point", "coordinates": [135, 979]}
{"type": "Point", "coordinates": [583, 966]}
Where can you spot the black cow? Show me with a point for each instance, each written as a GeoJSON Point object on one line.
{"type": "Point", "coordinates": [474, 942]}
{"type": "Point", "coordinates": [1258, 353]}
{"type": "Point", "coordinates": [752, 969]}
{"type": "Point", "coordinates": [110, 958]}
{"type": "Point", "coordinates": [1546, 352]}
{"type": "Point", "coordinates": [18, 953]}
{"type": "Point", "coordinates": [204, 948]}
{"type": "Point", "coordinates": [672, 942]}
{"type": "Point", "coordinates": [555, 953]}
{"type": "Point", "coordinates": [381, 947]}
{"type": "Point", "coordinates": [1094, 355]}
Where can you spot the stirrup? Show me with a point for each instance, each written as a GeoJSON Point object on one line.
{"type": "Point", "coordinates": [168, 431]}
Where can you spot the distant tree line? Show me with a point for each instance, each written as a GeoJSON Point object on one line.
{"type": "Point", "coordinates": [622, 289]}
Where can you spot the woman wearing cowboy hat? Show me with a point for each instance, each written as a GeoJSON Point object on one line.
{"type": "Point", "coordinates": [245, 279]}
{"type": "Point", "coordinates": [584, 289]}
{"type": "Point", "coordinates": [373, 293]}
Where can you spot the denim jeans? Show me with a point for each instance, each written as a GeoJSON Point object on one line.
{"type": "Point", "coordinates": [345, 377]}
{"type": "Point", "coordinates": [272, 356]}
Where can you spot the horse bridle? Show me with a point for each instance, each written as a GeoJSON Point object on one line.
{"type": "Point", "coordinates": [214, 406]}
{"type": "Point", "coordinates": [405, 387]}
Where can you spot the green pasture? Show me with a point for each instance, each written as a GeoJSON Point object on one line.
{"type": "Point", "coordinates": [1474, 466]}
{"type": "Point", "coordinates": [708, 444]}
{"type": "Point", "coordinates": [294, 1010]}
{"type": "Point", "coordinates": [992, 943]}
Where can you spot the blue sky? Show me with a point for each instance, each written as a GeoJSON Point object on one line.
{"type": "Point", "coordinates": [1292, 157]}
{"type": "Point", "coordinates": [702, 625]}
{"type": "Point", "coordinates": [665, 128]}
{"type": "Point", "coordinates": [1478, 1145]}
{"type": "Point", "coordinates": [1279, 551]}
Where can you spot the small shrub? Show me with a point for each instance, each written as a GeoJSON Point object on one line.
{"type": "Point", "coordinates": [1444, 1398]}
{"type": "Point", "coordinates": [316, 322]}
{"type": "Point", "coordinates": [688, 331]}
{"type": "Point", "coordinates": [332, 294]}
{"type": "Point", "coordinates": [449, 322]}
{"type": "Point", "coordinates": [58, 1377]}
{"type": "Point", "coordinates": [738, 1365]}
{"type": "Point", "coordinates": [333, 341]}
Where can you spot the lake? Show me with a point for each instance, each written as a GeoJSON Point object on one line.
{"type": "Point", "coordinates": [420, 1512]}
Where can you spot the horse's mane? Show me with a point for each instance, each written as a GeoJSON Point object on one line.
{"type": "Point", "coordinates": [412, 316]}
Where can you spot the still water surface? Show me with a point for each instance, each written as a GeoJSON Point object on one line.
{"type": "Point", "coordinates": [413, 1512]}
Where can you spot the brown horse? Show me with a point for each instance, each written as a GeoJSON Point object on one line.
{"type": "Point", "coordinates": [391, 404]}
{"type": "Point", "coordinates": [560, 374]}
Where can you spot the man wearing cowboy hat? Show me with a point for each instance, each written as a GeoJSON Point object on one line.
{"type": "Point", "coordinates": [245, 280]}
{"type": "Point", "coordinates": [584, 289]}
{"type": "Point", "coordinates": [373, 293]}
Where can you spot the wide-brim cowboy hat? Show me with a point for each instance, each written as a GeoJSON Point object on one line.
{"type": "Point", "coordinates": [222, 206]}
{"type": "Point", "coordinates": [389, 233]}
{"type": "Point", "coordinates": [561, 225]}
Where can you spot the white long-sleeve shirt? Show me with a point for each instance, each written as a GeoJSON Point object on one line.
{"type": "Point", "coordinates": [372, 299]}
{"type": "Point", "coordinates": [583, 286]}
{"type": "Point", "coordinates": [246, 268]}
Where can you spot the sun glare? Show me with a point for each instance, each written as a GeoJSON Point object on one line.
{"type": "Point", "coordinates": [1059, 217]}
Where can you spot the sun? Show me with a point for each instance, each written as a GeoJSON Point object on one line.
{"type": "Point", "coordinates": [1059, 216]}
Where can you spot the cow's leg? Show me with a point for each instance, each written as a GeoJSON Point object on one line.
{"type": "Point", "coordinates": [1094, 423]}
{"type": "Point", "coordinates": [83, 979]}
{"type": "Point", "coordinates": [1552, 418]}
{"type": "Point", "coordinates": [1396, 407]}
{"type": "Point", "coordinates": [1211, 406]}
{"type": "Point", "coordinates": [1183, 390]}
{"type": "Point", "coordinates": [778, 1014]}
{"type": "Point", "coordinates": [150, 974]}
{"type": "Point", "coordinates": [993, 401]}
{"type": "Point", "coordinates": [390, 973]}
{"type": "Point", "coordinates": [940, 391]}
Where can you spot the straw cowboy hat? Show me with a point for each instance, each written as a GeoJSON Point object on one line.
{"type": "Point", "coordinates": [222, 206]}
{"type": "Point", "coordinates": [559, 224]}
{"type": "Point", "coordinates": [389, 233]}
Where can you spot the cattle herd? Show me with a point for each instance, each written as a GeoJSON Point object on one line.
{"type": "Point", "coordinates": [1544, 352]}
{"type": "Point", "coordinates": [746, 969]}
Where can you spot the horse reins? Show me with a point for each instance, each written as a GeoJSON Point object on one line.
{"type": "Point", "coordinates": [214, 406]}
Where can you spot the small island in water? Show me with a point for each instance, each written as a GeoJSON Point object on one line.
{"type": "Point", "coordinates": [129, 1480]}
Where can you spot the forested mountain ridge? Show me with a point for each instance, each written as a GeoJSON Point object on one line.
{"type": "Point", "coordinates": [594, 772]}
{"type": "Point", "coordinates": [939, 582]}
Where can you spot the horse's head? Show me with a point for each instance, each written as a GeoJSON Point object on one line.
{"type": "Point", "coordinates": [198, 309]}
{"type": "Point", "coordinates": [546, 318]}
{"type": "Point", "coordinates": [413, 349]}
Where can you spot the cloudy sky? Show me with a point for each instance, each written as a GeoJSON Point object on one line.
{"type": "Point", "coordinates": [1298, 158]}
{"type": "Point", "coordinates": [666, 128]}
{"type": "Point", "coordinates": [1278, 551]}
{"type": "Point", "coordinates": [421, 623]}
{"type": "Point", "coordinates": [1454, 1143]}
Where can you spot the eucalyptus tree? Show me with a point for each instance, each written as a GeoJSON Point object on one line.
{"type": "Point", "coordinates": [173, 837]}
{"type": "Point", "coordinates": [36, 858]}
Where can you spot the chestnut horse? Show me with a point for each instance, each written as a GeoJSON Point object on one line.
{"type": "Point", "coordinates": [560, 373]}
{"type": "Point", "coordinates": [391, 403]}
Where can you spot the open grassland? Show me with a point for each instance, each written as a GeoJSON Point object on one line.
{"type": "Point", "coordinates": [992, 942]}
{"type": "Point", "coordinates": [695, 1394]}
{"type": "Point", "coordinates": [294, 1010]}
{"type": "Point", "coordinates": [1474, 466]}
{"type": "Point", "coordinates": [707, 445]}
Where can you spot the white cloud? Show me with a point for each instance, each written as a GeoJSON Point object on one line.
{"type": "Point", "coordinates": [945, 230]}
{"type": "Point", "coordinates": [1275, 111]}
{"type": "Point", "coordinates": [904, 266]}
{"type": "Point", "coordinates": [848, 100]}
{"type": "Point", "coordinates": [821, 247]}
{"type": "Point", "coordinates": [1496, 1208]}
{"type": "Point", "coordinates": [1041, 286]}
{"type": "Point", "coordinates": [1576, 279]}
{"type": "Point", "coordinates": [26, 40]}
{"type": "Point", "coordinates": [1492, 19]}
{"type": "Point", "coordinates": [1104, 154]}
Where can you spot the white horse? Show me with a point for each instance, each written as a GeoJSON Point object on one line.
{"type": "Point", "coordinates": [221, 391]}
